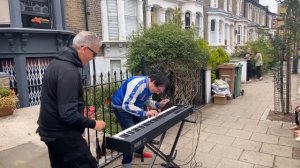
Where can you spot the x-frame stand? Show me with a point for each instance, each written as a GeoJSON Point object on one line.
{"type": "Point", "coordinates": [169, 159]}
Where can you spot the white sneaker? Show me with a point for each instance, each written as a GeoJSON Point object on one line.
{"type": "Point", "coordinates": [260, 78]}
{"type": "Point", "coordinates": [298, 139]}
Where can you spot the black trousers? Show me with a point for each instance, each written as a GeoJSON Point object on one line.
{"type": "Point", "coordinates": [249, 70]}
{"type": "Point", "coordinates": [70, 152]}
{"type": "Point", "coordinates": [258, 71]}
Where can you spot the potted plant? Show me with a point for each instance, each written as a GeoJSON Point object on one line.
{"type": "Point", "coordinates": [8, 101]}
{"type": "Point", "coordinates": [40, 23]}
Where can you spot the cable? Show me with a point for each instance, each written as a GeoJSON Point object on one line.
{"type": "Point", "coordinates": [192, 162]}
{"type": "Point", "coordinates": [138, 165]}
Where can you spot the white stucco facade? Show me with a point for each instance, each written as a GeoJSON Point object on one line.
{"type": "Point", "coordinates": [120, 19]}
{"type": "Point", "coordinates": [160, 12]}
{"type": "Point", "coordinates": [225, 28]}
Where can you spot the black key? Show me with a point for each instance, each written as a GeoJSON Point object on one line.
{"type": "Point", "coordinates": [124, 135]}
{"type": "Point", "coordinates": [130, 132]}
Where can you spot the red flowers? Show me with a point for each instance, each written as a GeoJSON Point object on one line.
{"type": "Point", "coordinates": [39, 20]}
{"type": "Point", "coordinates": [89, 111]}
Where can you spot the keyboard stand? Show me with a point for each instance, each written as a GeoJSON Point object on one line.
{"type": "Point", "coordinates": [169, 159]}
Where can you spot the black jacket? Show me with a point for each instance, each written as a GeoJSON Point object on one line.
{"type": "Point", "coordinates": [62, 98]}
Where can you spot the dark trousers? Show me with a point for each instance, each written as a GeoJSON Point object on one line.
{"type": "Point", "coordinates": [258, 71]}
{"type": "Point", "coordinates": [127, 120]}
{"type": "Point", "coordinates": [249, 70]}
{"type": "Point", "coordinates": [70, 152]}
{"type": "Point", "coordinates": [297, 118]}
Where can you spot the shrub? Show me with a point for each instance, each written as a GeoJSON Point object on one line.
{"type": "Point", "coordinates": [169, 48]}
{"type": "Point", "coordinates": [8, 101]}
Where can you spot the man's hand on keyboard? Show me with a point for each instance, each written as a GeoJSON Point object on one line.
{"type": "Point", "coordinates": [163, 102]}
{"type": "Point", "coordinates": [151, 113]}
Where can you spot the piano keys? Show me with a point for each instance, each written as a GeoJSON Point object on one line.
{"type": "Point", "coordinates": [133, 138]}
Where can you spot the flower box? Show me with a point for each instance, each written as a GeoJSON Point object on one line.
{"type": "Point", "coordinates": [8, 102]}
{"type": "Point", "coordinates": [5, 111]}
{"type": "Point", "coordinates": [41, 25]}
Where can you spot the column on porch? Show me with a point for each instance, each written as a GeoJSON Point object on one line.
{"type": "Point", "coordinates": [208, 31]}
{"type": "Point", "coordinates": [121, 20]}
{"type": "Point", "coordinates": [148, 16]}
{"type": "Point", "coordinates": [223, 33]}
{"type": "Point", "coordinates": [104, 20]}
{"type": "Point", "coordinates": [217, 32]}
{"type": "Point", "coordinates": [207, 85]}
{"type": "Point", "coordinates": [162, 15]}
{"type": "Point", "coordinates": [140, 13]}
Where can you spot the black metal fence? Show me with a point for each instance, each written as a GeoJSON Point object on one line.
{"type": "Point", "coordinates": [98, 106]}
{"type": "Point", "coordinates": [97, 101]}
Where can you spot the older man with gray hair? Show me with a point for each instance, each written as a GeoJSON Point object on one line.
{"type": "Point", "coordinates": [61, 122]}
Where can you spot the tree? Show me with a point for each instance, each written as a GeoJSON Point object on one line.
{"type": "Point", "coordinates": [291, 39]}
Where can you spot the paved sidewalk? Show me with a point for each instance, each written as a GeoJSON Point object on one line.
{"type": "Point", "coordinates": [235, 135]}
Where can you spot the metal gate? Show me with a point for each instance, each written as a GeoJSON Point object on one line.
{"type": "Point", "coordinates": [35, 68]}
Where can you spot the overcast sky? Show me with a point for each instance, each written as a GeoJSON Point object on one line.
{"type": "Point", "coordinates": [271, 3]}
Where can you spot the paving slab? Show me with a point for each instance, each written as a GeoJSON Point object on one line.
{"type": "Point", "coordinates": [239, 133]}
{"type": "Point", "coordinates": [296, 153]}
{"type": "Point", "coordinates": [229, 163]}
{"type": "Point", "coordinates": [216, 129]}
{"type": "Point", "coordinates": [247, 144]}
{"type": "Point", "coordinates": [280, 132]}
{"type": "Point", "coordinates": [220, 139]}
{"type": "Point", "coordinates": [27, 155]}
{"type": "Point", "coordinates": [282, 162]}
{"type": "Point", "coordinates": [264, 138]}
{"type": "Point", "coordinates": [288, 142]}
{"type": "Point", "coordinates": [226, 151]}
{"type": "Point", "coordinates": [270, 124]}
{"type": "Point", "coordinates": [257, 158]}
{"type": "Point", "coordinates": [207, 160]}
{"type": "Point", "coordinates": [256, 128]}
{"type": "Point", "coordinates": [212, 122]}
{"type": "Point", "coordinates": [247, 121]}
{"type": "Point", "coordinates": [259, 166]}
{"type": "Point", "coordinates": [277, 150]}
{"type": "Point", "coordinates": [234, 125]}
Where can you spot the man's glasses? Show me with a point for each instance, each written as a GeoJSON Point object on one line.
{"type": "Point", "coordinates": [94, 53]}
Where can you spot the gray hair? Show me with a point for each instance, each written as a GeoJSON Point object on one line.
{"type": "Point", "coordinates": [86, 38]}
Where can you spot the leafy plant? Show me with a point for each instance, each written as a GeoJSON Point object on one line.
{"type": "Point", "coordinates": [8, 99]}
{"type": "Point", "coordinates": [218, 56]}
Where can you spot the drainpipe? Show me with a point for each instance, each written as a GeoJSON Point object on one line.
{"type": "Point", "coordinates": [86, 15]}
{"type": "Point", "coordinates": [62, 4]}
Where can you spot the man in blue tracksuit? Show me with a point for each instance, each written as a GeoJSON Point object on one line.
{"type": "Point", "coordinates": [129, 100]}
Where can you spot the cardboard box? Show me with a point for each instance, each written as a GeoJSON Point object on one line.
{"type": "Point", "coordinates": [219, 99]}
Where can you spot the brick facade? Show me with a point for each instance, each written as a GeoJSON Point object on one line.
{"type": "Point", "coordinates": [74, 15]}
{"type": "Point", "coordinates": [94, 17]}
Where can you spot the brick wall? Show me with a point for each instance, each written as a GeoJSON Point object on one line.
{"type": "Point", "coordinates": [94, 17]}
{"type": "Point", "coordinates": [74, 15]}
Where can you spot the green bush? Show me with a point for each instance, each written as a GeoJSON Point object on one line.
{"type": "Point", "coordinates": [168, 45]}
{"type": "Point", "coordinates": [169, 48]}
{"type": "Point", "coordinates": [218, 56]}
{"type": "Point", "coordinates": [4, 92]}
